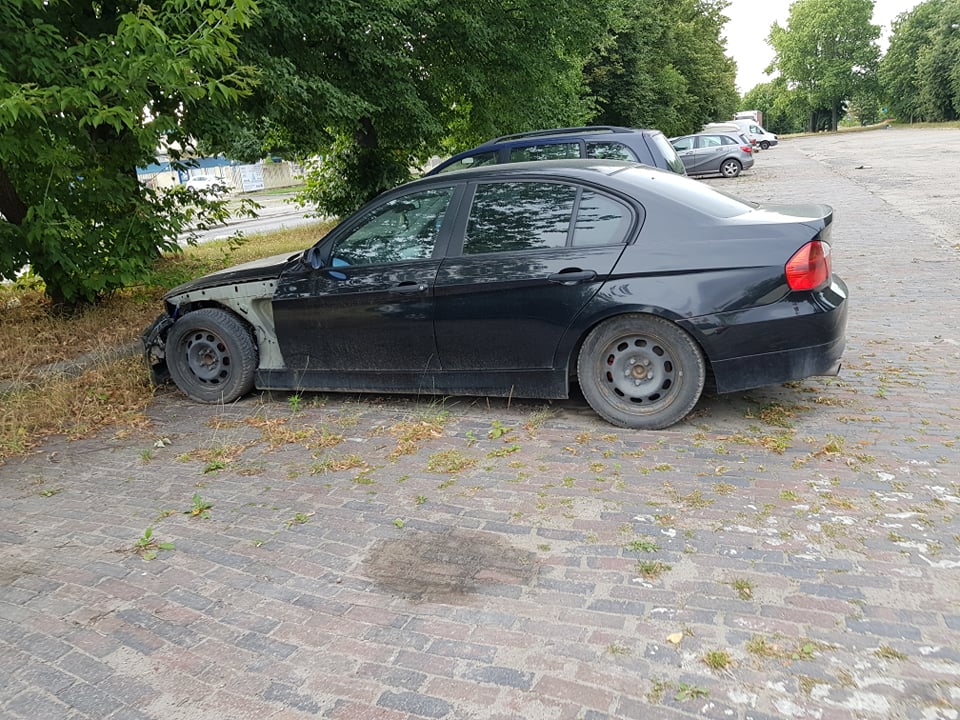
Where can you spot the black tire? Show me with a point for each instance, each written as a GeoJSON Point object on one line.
{"type": "Point", "coordinates": [641, 372]}
{"type": "Point", "coordinates": [764, 145]}
{"type": "Point", "coordinates": [211, 356]}
{"type": "Point", "coordinates": [730, 168]}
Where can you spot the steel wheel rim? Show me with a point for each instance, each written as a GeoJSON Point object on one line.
{"type": "Point", "coordinates": [639, 372]}
{"type": "Point", "coordinates": [207, 357]}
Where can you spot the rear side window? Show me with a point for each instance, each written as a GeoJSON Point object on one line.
{"type": "Point", "coordinates": [601, 220]}
{"type": "Point", "coordinates": [610, 151]}
{"type": "Point", "coordinates": [519, 216]}
{"type": "Point", "coordinates": [545, 151]}
{"type": "Point", "coordinates": [509, 217]}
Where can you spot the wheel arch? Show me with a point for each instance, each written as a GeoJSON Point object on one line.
{"type": "Point", "coordinates": [572, 351]}
{"type": "Point", "coordinates": [251, 303]}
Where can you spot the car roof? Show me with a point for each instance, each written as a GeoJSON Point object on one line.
{"type": "Point", "coordinates": [728, 133]}
{"type": "Point", "coordinates": [571, 167]}
{"type": "Point", "coordinates": [584, 131]}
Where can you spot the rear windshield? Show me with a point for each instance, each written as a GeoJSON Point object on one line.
{"type": "Point", "coordinates": [691, 193]}
{"type": "Point", "coordinates": [670, 155]}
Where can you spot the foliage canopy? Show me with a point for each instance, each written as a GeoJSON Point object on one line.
{"type": "Point", "coordinates": [88, 90]}
{"type": "Point", "coordinates": [828, 50]}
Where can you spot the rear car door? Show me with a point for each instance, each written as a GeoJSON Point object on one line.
{"type": "Point", "coordinates": [533, 253]}
{"type": "Point", "coordinates": [369, 307]}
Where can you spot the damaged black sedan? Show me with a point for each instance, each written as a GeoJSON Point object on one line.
{"type": "Point", "coordinates": [520, 280]}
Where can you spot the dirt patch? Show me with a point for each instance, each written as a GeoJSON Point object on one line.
{"type": "Point", "coordinates": [447, 566]}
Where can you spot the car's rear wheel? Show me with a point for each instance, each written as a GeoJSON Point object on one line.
{"type": "Point", "coordinates": [640, 371]}
{"type": "Point", "coordinates": [764, 145]}
{"type": "Point", "coordinates": [211, 356]}
{"type": "Point", "coordinates": [730, 168]}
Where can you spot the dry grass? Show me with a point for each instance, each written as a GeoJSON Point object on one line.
{"type": "Point", "coordinates": [33, 335]}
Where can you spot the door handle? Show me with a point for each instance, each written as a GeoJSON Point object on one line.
{"type": "Point", "coordinates": [572, 277]}
{"type": "Point", "coordinates": [408, 287]}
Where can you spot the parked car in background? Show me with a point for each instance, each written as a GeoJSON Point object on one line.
{"type": "Point", "coordinates": [206, 184]}
{"type": "Point", "coordinates": [516, 280]}
{"type": "Point", "coordinates": [746, 126]}
{"type": "Point", "coordinates": [714, 153]}
{"type": "Point", "coordinates": [602, 142]}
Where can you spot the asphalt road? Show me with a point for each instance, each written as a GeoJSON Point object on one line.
{"type": "Point", "coordinates": [276, 213]}
{"type": "Point", "coordinates": [792, 552]}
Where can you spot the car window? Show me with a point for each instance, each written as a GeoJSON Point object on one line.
{"type": "Point", "coordinates": [471, 161]}
{"type": "Point", "coordinates": [545, 151]}
{"type": "Point", "coordinates": [404, 228]}
{"type": "Point", "coordinates": [668, 152]}
{"type": "Point", "coordinates": [683, 143]}
{"type": "Point", "coordinates": [519, 216]}
{"type": "Point", "coordinates": [610, 151]}
{"type": "Point", "coordinates": [601, 220]}
{"type": "Point", "coordinates": [707, 141]}
{"type": "Point", "coordinates": [727, 140]}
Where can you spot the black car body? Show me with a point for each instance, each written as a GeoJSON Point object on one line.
{"type": "Point", "coordinates": [512, 280]}
{"type": "Point", "coordinates": [596, 142]}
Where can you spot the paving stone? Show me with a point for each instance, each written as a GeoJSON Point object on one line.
{"type": "Point", "coordinates": [853, 551]}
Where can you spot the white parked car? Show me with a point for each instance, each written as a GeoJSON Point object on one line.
{"type": "Point", "coordinates": [206, 184]}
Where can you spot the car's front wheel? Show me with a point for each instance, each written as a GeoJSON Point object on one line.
{"type": "Point", "coordinates": [640, 371]}
{"type": "Point", "coordinates": [730, 168]}
{"type": "Point", "coordinates": [764, 144]}
{"type": "Point", "coordinates": [211, 356]}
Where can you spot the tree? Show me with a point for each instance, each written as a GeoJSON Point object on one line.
{"type": "Point", "coordinates": [827, 50]}
{"type": "Point", "coordinates": [920, 74]}
{"type": "Point", "coordinates": [784, 110]}
{"type": "Point", "coordinates": [665, 68]}
{"type": "Point", "coordinates": [376, 88]}
{"type": "Point", "coordinates": [88, 91]}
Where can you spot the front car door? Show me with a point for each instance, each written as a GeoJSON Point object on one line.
{"type": "Point", "coordinates": [364, 318]}
{"type": "Point", "coordinates": [533, 254]}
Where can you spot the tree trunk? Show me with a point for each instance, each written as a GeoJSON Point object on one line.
{"type": "Point", "coordinates": [12, 207]}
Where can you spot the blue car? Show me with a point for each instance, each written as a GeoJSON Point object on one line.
{"type": "Point", "coordinates": [596, 142]}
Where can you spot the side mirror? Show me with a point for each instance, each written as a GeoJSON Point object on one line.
{"type": "Point", "coordinates": [311, 257]}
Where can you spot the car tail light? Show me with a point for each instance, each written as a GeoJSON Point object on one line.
{"type": "Point", "coordinates": [809, 268]}
{"type": "Point", "coordinates": [746, 148]}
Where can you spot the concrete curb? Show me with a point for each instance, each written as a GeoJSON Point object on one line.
{"type": "Point", "coordinates": [70, 368]}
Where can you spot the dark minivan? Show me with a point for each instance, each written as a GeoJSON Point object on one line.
{"type": "Point", "coordinates": [599, 142]}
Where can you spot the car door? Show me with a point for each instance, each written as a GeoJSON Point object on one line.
{"type": "Point", "coordinates": [533, 254]}
{"type": "Point", "coordinates": [710, 153]}
{"type": "Point", "coordinates": [686, 148]}
{"type": "Point", "coordinates": [368, 306]}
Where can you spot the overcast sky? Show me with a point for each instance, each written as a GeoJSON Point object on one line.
{"type": "Point", "coordinates": [749, 26]}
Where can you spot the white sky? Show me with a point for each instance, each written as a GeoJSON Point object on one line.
{"type": "Point", "coordinates": [749, 26]}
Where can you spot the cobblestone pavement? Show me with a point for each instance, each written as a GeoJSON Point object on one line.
{"type": "Point", "coordinates": [792, 552]}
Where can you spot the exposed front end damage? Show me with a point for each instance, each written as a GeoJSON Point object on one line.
{"type": "Point", "coordinates": [250, 301]}
{"type": "Point", "coordinates": [154, 339]}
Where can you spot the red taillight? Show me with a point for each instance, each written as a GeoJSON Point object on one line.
{"type": "Point", "coordinates": [809, 268]}
{"type": "Point", "coordinates": [746, 148]}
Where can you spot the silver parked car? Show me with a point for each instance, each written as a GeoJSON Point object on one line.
{"type": "Point", "coordinates": [714, 153]}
